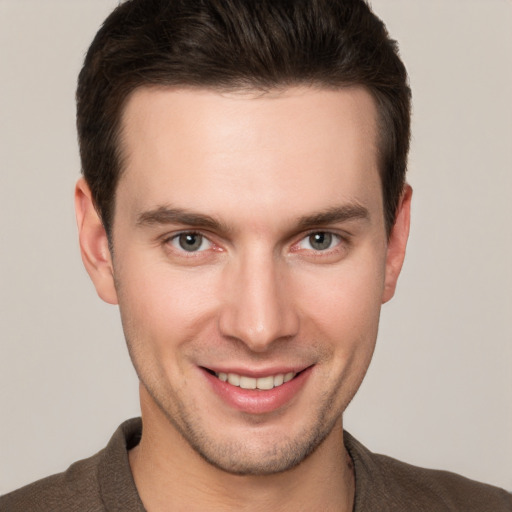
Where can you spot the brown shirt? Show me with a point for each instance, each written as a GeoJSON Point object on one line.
{"type": "Point", "coordinates": [104, 483]}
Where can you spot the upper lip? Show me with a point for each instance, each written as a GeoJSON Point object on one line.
{"type": "Point", "coordinates": [258, 372]}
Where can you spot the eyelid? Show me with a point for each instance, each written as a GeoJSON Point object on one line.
{"type": "Point", "coordinates": [174, 234]}
{"type": "Point", "coordinates": [169, 239]}
{"type": "Point", "coordinates": [343, 240]}
{"type": "Point", "coordinates": [308, 236]}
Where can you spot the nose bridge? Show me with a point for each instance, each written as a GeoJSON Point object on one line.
{"type": "Point", "coordinates": [257, 309]}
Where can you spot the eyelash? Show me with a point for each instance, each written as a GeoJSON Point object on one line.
{"type": "Point", "coordinates": [175, 238]}
{"type": "Point", "coordinates": [331, 237]}
{"type": "Point", "coordinates": [341, 241]}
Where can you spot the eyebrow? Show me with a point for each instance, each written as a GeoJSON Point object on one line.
{"type": "Point", "coordinates": [165, 215]}
{"type": "Point", "coordinates": [334, 215]}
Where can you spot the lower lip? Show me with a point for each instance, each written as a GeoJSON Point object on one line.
{"type": "Point", "coordinates": [254, 401]}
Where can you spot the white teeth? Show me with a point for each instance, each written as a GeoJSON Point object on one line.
{"type": "Point", "coordinates": [278, 380]}
{"type": "Point", "coordinates": [263, 383]}
{"type": "Point", "coordinates": [247, 382]}
{"type": "Point", "coordinates": [234, 379]}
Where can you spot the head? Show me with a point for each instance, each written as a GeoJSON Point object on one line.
{"type": "Point", "coordinates": [244, 204]}
{"type": "Point", "coordinates": [271, 45]}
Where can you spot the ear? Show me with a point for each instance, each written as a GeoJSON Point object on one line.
{"type": "Point", "coordinates": [94, 244]}
{"type": "Point", "coordinates": [397, 243]}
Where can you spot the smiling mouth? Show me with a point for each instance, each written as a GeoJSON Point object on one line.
{"type": "Point", "coordinates": [260, 383]}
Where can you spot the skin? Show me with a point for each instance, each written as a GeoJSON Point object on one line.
{"type": "Point", "coordinates": [257, 295]}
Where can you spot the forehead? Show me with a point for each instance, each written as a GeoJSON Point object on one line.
{"type": "Point", "coordinates": [242, 150]}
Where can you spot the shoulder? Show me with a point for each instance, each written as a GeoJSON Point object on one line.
{"type": "Point", "coordinates": [76, 489]}
{"type": "Point", "coordinates": [384, 483]}
{"type": "Point", "coordinates": [101, 482]}
{"type": "Point", "coordinates": [446, 490]}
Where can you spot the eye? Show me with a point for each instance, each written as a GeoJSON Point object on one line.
{"type": "Point", "coordinates": [190, 242]}
{"type": "Point", "coordinates": [319, 241]}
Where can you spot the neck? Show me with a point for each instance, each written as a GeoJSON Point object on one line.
{"type": "Point", "coordinates": [170, 475]}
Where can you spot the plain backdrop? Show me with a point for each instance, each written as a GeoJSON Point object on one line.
{"type": "Point", "coordinates": [439, 390]}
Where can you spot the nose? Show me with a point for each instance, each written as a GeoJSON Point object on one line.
{"type": "Point", "coordinates": [257, 307]}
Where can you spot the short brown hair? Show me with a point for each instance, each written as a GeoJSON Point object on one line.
{"type": "Point", "coordinates": [238, 44]}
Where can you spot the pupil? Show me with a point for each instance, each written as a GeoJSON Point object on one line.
{"type": "Point", "coordinates": [190, 241]}
{"type": "Point", "coordinates": [320, 241]}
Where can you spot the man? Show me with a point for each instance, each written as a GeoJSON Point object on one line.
{"type": "Point", "coordinates": [244, 202]}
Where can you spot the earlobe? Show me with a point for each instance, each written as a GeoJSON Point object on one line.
{"type": "Point", "coordinates": [397, 244]}
{"type": "Point", "coordinates": [94, 245]}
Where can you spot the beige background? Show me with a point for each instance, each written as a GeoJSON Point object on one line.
{"type": "Point", "coordinates": [439, 391]}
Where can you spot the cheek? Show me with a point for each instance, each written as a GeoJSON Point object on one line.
{"type": "Point", "coordinates": [162, 303]}
{"type": "Point", "coordinates": [161, 313]}
{"type": "Point", "coordinates": [344, 303]}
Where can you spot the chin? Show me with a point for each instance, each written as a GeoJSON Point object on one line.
{"type": "Point", "coordinates": [268, 457]}
{"type": "Point", "coordinates": [258, 449]}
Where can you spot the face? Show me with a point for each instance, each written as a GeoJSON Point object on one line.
{"type": "Point", "coordinates": [250, 263]}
